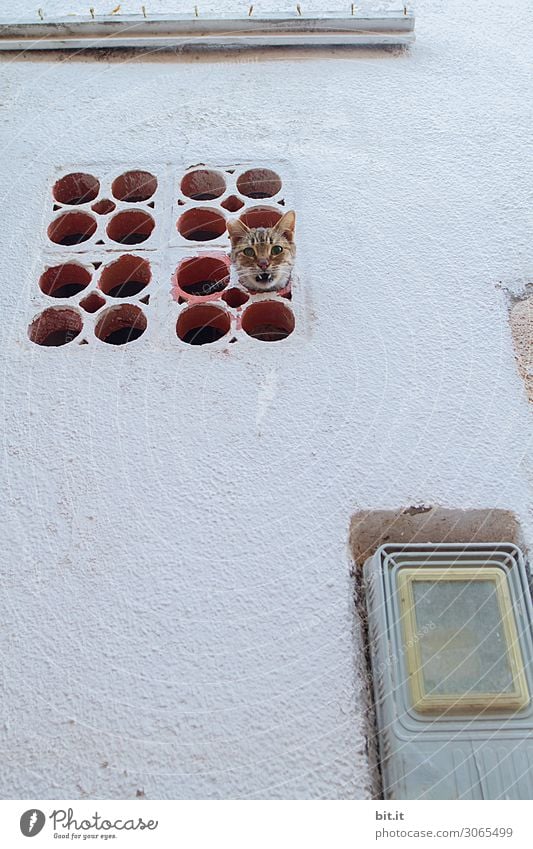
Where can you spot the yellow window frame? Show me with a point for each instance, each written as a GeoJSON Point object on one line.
{"type": "Point", "coordinates": [514, 700]}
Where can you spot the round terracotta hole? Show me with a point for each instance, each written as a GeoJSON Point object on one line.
{"type": "Point", "coordinates": [131, 227]}
{"type": "Point", "coordinates": [235, 297]}
{"type": "Point", "coordinates": [261, 216]}
{"type": "Point", "coordinates": [134, 186]}
{"type": "Point", "coordinates": [125, 277]}
{"type": "Point", "coordinates": [259, 183]}
{"type": "Point", "coordinates": [268, 321]}
{"type": "Point", "coordinates": [76, 188]}
{"type": "Point", "coordinates": [202, 324]}
{"type": "Point", "coordinates": [232, 204]}
{"type": "Point", "coordinates": [121, 324]}
{"type": "Point", "coordinates": [64, 281]}
{"type": "Point", "coordinates": [104, 207]}
{"type": "Point", "coordinates": [203, 184]}
{"type": "Point", "coordinates": [72, 228]}
{"type": "Point", "coordinates": [203, 275]}
{"type": "Point", "coordinates": [55, 326]}
{"type": "Point", "coordinates": [201, 225]}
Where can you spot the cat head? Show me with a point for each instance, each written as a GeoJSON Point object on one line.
{"type": "Point", "coordinates": [263, 256]}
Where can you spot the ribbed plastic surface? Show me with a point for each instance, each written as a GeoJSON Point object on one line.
{"type": "Point", "coordinates": [475, 755]}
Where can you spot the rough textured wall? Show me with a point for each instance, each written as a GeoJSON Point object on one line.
{"type": "Point", "coordinates": [521, 317]}
{"type": "Point", "coordinates": [177, 611]}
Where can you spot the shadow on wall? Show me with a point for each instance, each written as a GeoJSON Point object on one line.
{"type": "Point", "coordinates": [420, 523]}
{"type": "Point", "coordinates": [219, 55]}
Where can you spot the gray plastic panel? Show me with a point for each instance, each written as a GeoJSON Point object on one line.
{"type": "Point", "coordinates": [441, 757]}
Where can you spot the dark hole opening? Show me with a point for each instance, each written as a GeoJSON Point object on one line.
{"type": "Point", "coordinates": [58, 337]}
{"type": "Point", "coordinates": [131, 227]}
{"type": "Point", "coordinates": [120, 325]}
{"type": "Point", "coordinates": [64, 281]}
{"type": "Point", "coordinates": [132, 239]}
{"type": "Point", "coordinates": [202, 325]}
{"type": "Point", "coordinates": [203, 335]}
{"type": "Point", "coordinates": [201, 224]}
{"type": "Point", "coordinates": [202, 235]}
{"type": "Point", "coordinates": [268, 321]}
{"type": "Point", "coordinates": [203, 196]}
{"type": "Point", "coordinates": [123, 335]}
{"type": "Point", "coordinates": [73, 239]}
{"type": "Point", "coordinates": [68, 290]}
{"type": "Point", "coordinates": [127, 290]}
{"type": "Point", "coordinates": [204, 287]}
{"type": "Point", "coordinates": [55, 327]}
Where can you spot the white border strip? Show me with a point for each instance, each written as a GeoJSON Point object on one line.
{"type": "Point", "coordinates": [228, 824]}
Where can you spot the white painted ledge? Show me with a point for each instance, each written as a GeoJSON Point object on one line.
{"type": "Point", "coordinates": [158, 32]}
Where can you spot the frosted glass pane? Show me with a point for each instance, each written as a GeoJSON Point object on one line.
{"type": "Point", "coordinates": [461, 638]}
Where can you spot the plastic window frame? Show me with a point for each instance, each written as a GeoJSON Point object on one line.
{"type": "Point", "coordinates": [454, 703]}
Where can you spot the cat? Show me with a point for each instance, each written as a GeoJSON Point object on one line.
{"type": "Point", "coordinates": [263, 256]}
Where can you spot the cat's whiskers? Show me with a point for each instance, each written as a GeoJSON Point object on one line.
{"type": "Point", "coordinates": [258, 267]}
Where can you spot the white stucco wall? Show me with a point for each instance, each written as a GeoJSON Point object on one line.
{"type": "Point", "coordinates": [177, 611]}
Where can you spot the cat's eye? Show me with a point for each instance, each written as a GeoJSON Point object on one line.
{"type": "Point", "coordinates": [249, 252]}
{"type": "Point", "coordinates": [277, 249]}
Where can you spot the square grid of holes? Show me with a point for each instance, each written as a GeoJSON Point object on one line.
{"type": "Point", "coordinates": [137, 255]}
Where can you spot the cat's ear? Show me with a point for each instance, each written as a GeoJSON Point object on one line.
{"type": "Point", "coordinates": [286, 225]}
{"type": "Point", "coordinates": [237, 229]}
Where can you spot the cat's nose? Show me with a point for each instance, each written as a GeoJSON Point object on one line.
{"type": "Point", "coordinates": [263, 263]}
